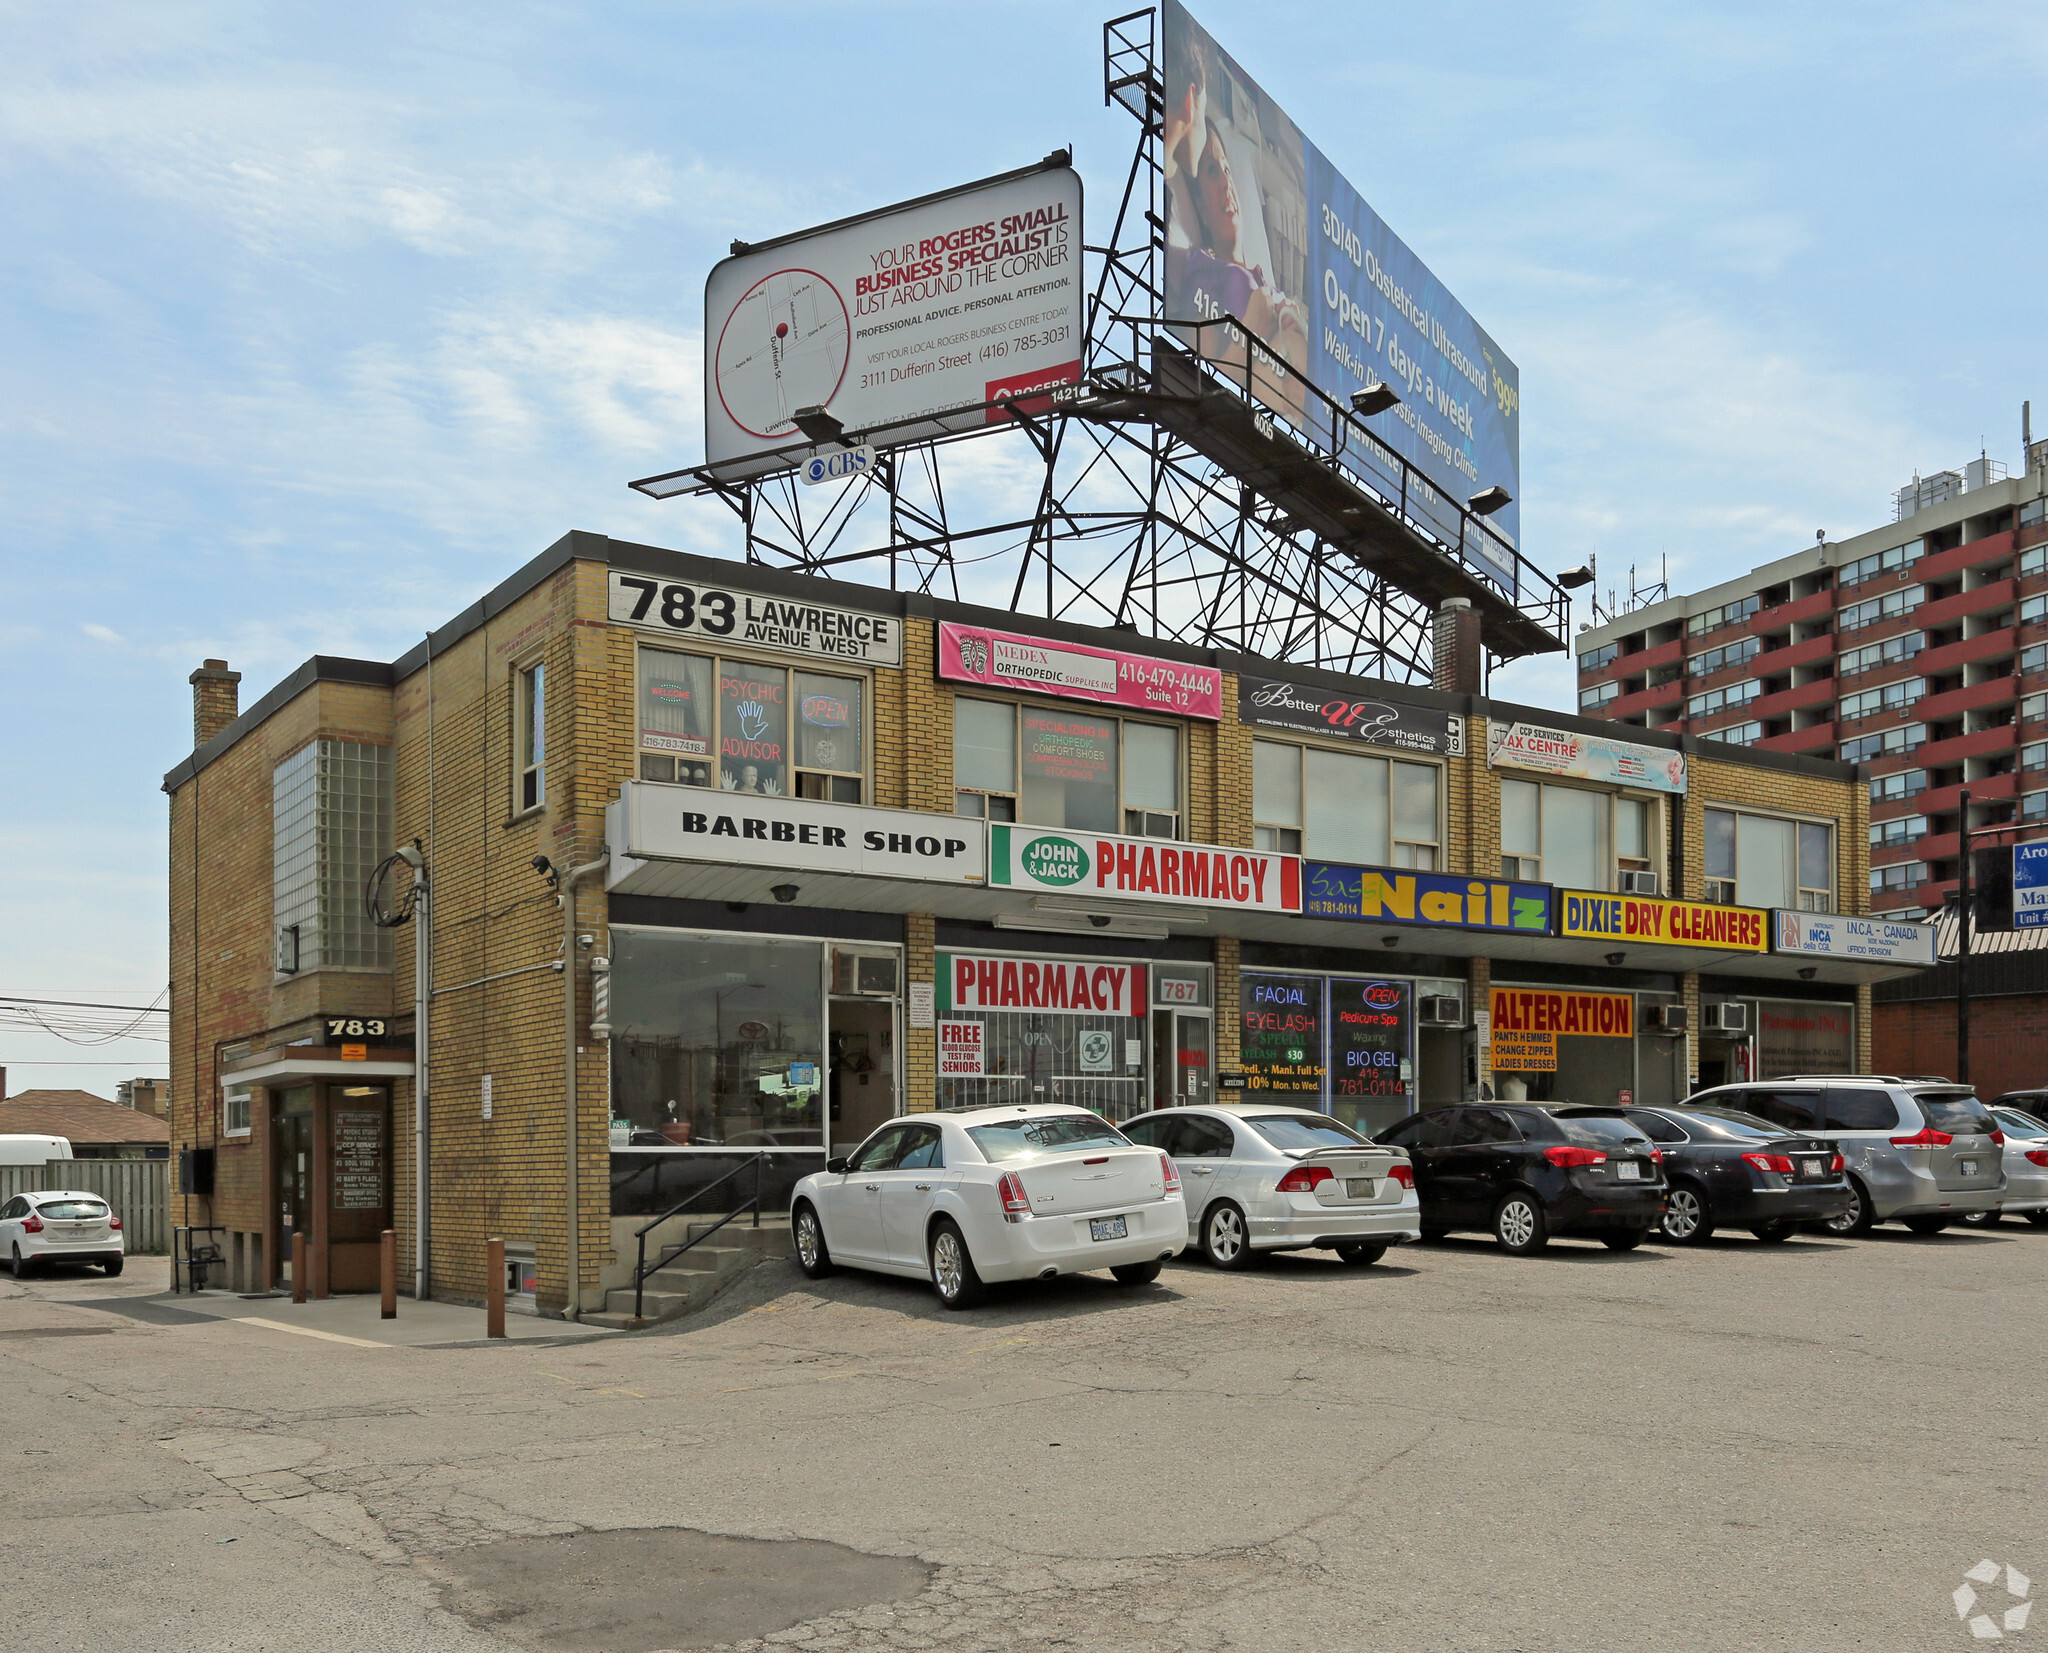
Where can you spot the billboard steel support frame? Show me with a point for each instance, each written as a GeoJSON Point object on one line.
{"type": "Point", "coordinates": [1302, 544]}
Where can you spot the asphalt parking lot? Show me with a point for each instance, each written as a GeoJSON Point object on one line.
{"type": "Point", "coordinates": [1742, 1446]}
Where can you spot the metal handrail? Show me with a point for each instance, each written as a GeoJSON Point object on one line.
{"type": "Point", "coordinates": [641, 1267]}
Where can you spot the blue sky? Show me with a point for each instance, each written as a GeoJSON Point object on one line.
{"type": "Point", "coordinates": [318, 320]}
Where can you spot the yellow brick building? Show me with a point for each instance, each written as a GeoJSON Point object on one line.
{"type": "Point", "coordinates": [717, 867]}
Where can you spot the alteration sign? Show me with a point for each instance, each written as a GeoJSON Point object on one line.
{"type": "Point", "coordinates": [902, 323]}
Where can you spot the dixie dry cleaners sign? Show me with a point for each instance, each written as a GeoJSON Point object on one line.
{"type": "Point", "coordinates": [689, 823]}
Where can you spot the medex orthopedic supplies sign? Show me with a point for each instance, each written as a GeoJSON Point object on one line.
{"type": "Point", "coordinates": [1388, 895]}
{"type": "Point", "coordinates": [1057, 862]}
{"type": "Point", "coordinates": [701, 823]}
{"type": "Point", "coordinates": [1273, 704]}
{"type": "Point", "coordinates": [1527, 1022]}
{"type": "Point", "coordinates": [902, 323]}
{"type": "Point", "coordinates": [1836, 936]}
{"type": "Point", "coordinates": [996, 981]}
{"type": "Point", "coordinates": [1662, 923]}
{"type": "Point", "coordinates": [713, 615]}
{"type": "Point", "coordinates": [1588, 757]}
{"type": "Point", "coordinates": [1010, 660]}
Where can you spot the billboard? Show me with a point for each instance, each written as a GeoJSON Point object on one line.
{"type": "Point", "coordinates": [913, 318]}
{"type": "Point", "coordinates": [1261, 226]}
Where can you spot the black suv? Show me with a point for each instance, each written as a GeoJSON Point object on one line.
{"type": "Point", "coordinates": [1528, 1172]}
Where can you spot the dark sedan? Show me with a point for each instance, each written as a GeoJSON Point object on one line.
{"type": "Point", "coordinates": [2032, 1103]}
{"type": "Point", "coordinates": [1528, 1173]}
{"type": "Point", "coordinates": [1729, 1169]}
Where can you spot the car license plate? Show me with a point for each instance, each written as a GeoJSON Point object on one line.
{"type": "Point", "coordinates": [1813, 1167]}
{"type": "Point", "coordinates": [1107, 1228]}
{"type": "Point", "coordinates": [1968, 1167]}
{"type": "Point", "coordinates": [1358, 1188]}
{"type": "Point", "coordinates": [1628, 1170]}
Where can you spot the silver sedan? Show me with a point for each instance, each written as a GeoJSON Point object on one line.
{"type": "Point", "coordinates": [1260, 1176]}
{"type": "Point", "coordinates": [2026, 1171]}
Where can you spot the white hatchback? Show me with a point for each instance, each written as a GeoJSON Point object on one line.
{"type": "Point", "coordinates": [976, 1195]}
{"type": "Point", "coordinates": [1262, 1176]}
{"type": "Point", "coordinates": [60, 1226]}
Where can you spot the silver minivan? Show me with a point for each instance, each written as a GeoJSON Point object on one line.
{"type": "Point", "coordinates": [1920, 1152]}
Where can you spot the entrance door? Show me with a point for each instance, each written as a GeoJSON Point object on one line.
{"type": "Point", "coordinates": [1182, 1073]}
{"type": "Point", "coordinates": [861, 1070]}
{"type": "Point", "coordinates": [358, 1183]}
{"type": "Point", "coordinates": [292, 1157]}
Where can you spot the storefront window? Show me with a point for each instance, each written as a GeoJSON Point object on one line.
{"type": "Point", "coordinates": [1052, 767]}
{"type": "Point", "coordinates": [1343, 1044]}
{"type": "Point", "coordinates": [717, 1041]}
{"type": "Point", "coordinates": [1013, 1028]}
{"type": "Point", "coordinates": [1339, 806]}
{"type": "Point", "coordinates": [709, 721]}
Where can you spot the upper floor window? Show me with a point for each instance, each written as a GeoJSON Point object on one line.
{"type": "Point", "coordinates": [1767, 861]}
{"type": "Point", "coordinates": [779, 731]}
{"type": "Point", "coordinates": [1593, 660]}
{"type": "Point", "coordinates": [1906, 783]}
{"type": "Point", "coordinates": [530, 688]}
{"type": "Point", "coordinates": [1880, 562]}
{"type": "Point", "coordinates": [2034, 659]}
{"type": "Point", "coordinates": [331, 806]}
{"type": "Point", "coordinates": [1726, 615]}
{"type": "Point", "coordinates": [1900, 875]}
{"type": "Point", "coordinates": [1343, 806]}
{"type": "Point", "coordinates": [1887, 743]}
{"type": "Point", "coordinates": [2033, 511]}
{"type": "Point", "coordinates": [1052, 767]}
{"type": "Point", "coordinates": [1591, 700]}
{"type": "Point", "coordinates": [1888, 697]}
{"type": "Point", "coordinates": [1573, 836]}
{"type": "Point", "coordinates": [1723, 699]}
{"type": "Point", "coordinates": [1890, 606]}
{"type": "Point", "coordinates": [1906, 829]}
{"type": "Point", "coordinates": [1719, 660]}
{"type": "Point", "coordinates": [1889, 652]}
{"type": "Point", "coordinates": [2034, 608]}
{"type": "Point", "coordinates": [1738, 734]}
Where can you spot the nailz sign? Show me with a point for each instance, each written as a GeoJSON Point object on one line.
{"type": "Point", "coordinates": [1008, 660]}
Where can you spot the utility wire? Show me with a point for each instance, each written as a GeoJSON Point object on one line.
{"type": "Point", "coordinates": [76, 1022]}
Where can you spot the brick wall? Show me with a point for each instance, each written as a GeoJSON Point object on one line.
{"type": "Point", "coordinates": [2006, 1052]}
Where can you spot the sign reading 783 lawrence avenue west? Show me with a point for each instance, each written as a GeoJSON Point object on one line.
{"type": "Point", "coordinates": [713, 615]}
{"type": "Point", "coordinates": [1593, 917]}
{"type": "Point", "coordinates": [1090, 864]}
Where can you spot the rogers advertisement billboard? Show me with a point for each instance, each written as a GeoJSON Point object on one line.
{"type": "Point", "coordinates": [911, 319]}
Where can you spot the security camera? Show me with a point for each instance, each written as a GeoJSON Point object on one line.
{"type": "Point", "coordinates": [785, 893]}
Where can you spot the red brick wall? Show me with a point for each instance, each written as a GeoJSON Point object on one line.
{"type": "Point", "coordinates": [2006, 1049]}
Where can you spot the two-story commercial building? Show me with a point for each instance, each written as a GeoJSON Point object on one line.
{"type": "Point", "coordinates": [712, 867]}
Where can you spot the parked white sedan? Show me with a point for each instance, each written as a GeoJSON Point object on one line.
{"type": "Point", "coordinates": [2026, 1170]}
{"type": "Point", "coordinates": [60, 1226]}
{"type": "Point", "coordinates": [1265, 1177]}
{"type": "Point", "coordinates": [975, 1195]}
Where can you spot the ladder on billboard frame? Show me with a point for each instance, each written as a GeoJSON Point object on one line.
{"type": "Point", "coordinates": [1172, 499]}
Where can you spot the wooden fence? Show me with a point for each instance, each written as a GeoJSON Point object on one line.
{"type": "Point", "coordinates": [138, 1190]}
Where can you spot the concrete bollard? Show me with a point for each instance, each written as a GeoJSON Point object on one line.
{"type": "Point", "coordinates": [387, 1273]}
{"type": "Point", "coordinates": [494, 1288]}
{"type": "Point", "coordinates": [298, 1265]}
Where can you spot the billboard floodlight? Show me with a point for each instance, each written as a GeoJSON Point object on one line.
{"type": "Point", "coordinates": [820, 424]}
{"type": "Point", "coordinates": [1374, 398]}
{"type": "Point", "coordinates": [1572, 578]}
{"type": "Point", "coordinates": [1489, 500]}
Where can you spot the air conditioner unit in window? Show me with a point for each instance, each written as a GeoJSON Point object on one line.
{"type": "Point", "coordinates": [1725, 1018]}
{"type": "Point", "coordinates": [1439, 1010]}
{"type": "Point", "coordinates": [1668, 1018]}
{"type": "Point", "coordinates": [1639, 883]}
{"type": "Point", "coordinates": [1721, 891]}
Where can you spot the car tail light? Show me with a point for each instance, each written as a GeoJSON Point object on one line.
{"type": "Point", "coordinates": [1015, 1205]}
{"type": "Point", "coordinates": [1838, 1163]}
{"type": "Point", "coordinates": [1656, 1156]}
{"type": "Point", "coordinates": [1780, 1163]}
{"type": "Point", "coordinates": [113, 1222]}
{"type": "Point", "coordinates": [31, 1225]}
{"type": "Point", "coordinates": [1998, 1136]}
{"type": "Point", "coordinates": [1305, 1179]}
{"type": "Point", "coordinates": [1927, 1138]}
{"type": "Point", "coordinates": [1172, 1173]}
{"type": "Point", "coordinates": [1404, 1175]}
{"type": "Point", "coordinates": [2037, 1156]}
{"type": "Point", "coordinates": [1569, 1158]}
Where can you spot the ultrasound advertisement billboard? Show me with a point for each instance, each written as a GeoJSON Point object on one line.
{"type": "Point", "coordinates": [1261, 226]}
{"type": "Point", "coordinates": [912, 318]}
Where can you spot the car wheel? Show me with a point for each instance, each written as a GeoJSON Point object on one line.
{"type": "Point", "coordinates": [1927, 1225]}
{"type": "Point", "coordinates": [1688, 1218]}
{"type": "Point", "coordinates": [1773, 1233]}
{"type": "Point", "coordinates": [113, 1266]}
{"type": "Point", "coordinates": [953, 1275]}
{"type": "Point", "coordinates": [1858, 1220]}
{"type": "Point", "coordinates": [1627, 1239]}
{"type": "Point", "coordinates": [1361, 1255]}
{"type": "Point", "coordinates": [22, 1268]}
{"type": "Point", "coordinates": [1519, 1226]}
{"type": "Point", "coordinates": [1136, 1274]}
{"type": "Point", "coordinates": [1225, 1241]}
{"type": "Point", "coordinates": [813, 1256]}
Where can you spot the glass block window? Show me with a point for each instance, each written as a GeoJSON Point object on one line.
{"type": "Point", "coordinates": [331, 825]}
